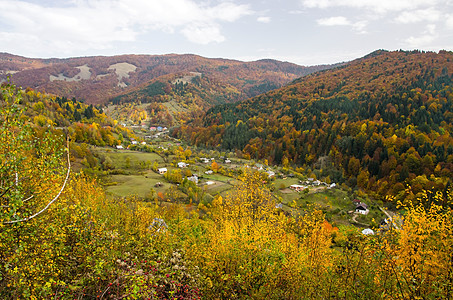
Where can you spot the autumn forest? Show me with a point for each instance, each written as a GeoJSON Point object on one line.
{"type": "Point", "coordinates": [180, 177]}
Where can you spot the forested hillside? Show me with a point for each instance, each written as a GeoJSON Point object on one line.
{"type": "Point", "coordinates": [99, 79]}
{"type": "Point", "coordinates": [377, 123]}
{"type": "Point", "coordinates": [85, 123]}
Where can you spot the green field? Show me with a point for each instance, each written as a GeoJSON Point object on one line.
{"type": "Point", "coordinates": [134, 160]}
{"type": "Point", "coordinates": [280, 182]}
{"type": "Point", "coordinates": [219, 188]}
{"type": "Point", "coordinates": [136, 178]}
{"type": "Point", "coordinates": [120, 155]}
{"type": "Point", "coordinates": [288, 195]}
{"type": "Point", "coordinates": [139, 185]}
{"type": "Point", "coordinates": [218, 177]}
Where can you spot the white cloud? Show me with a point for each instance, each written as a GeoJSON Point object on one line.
{"type": "Point", "coordinates": [359, 27]}
{"type": "Point", "coordinates": [264, 19]}
{"type": "Point", "coordinates": [420, 41]}
{"type": "Point", "coordinates": [228, 11]}
{"type": "Point", "coordinates": [317, 3]}
{"type": "Point", "coordinates": [203, 33]}
{"type": "Point", "coordinates": [449, 21]}
{"type": "Point", "coordinates": [96, 24]}
{"type": "Point", "coordinates": [380, 6]}
{"type": "Point", "coordinates": [373, 16]}
{"type": "Point", "coordinates": [334, 21]}
{"type": "Point", "coordinates": [431, 29]}
{"type": "Point", "coordinates": [429, 15]}
{"type": "Point", "coordinates": [424, 40]}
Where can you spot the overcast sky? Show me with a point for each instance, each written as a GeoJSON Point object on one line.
{"type": "Point", "coordinates": [306, 32]}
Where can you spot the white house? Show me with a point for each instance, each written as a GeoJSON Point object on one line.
{"type": "Point", "coordinates": [193, 178]}
{"type": "Point", "coordinates": [362, 208]}
{"type": "Point", "coordinates": [119, 147]}
{"type": "Point", "coordinates": [227, 161]}
{"type": "Point", "coordinates": [270, 173]}
{"type": "Point", "coordinates": [162, 170]}
{"type": "Point", "coordinates": [258, 167]}
{"type": "Point", "coordinates": [297, 187]}
{"type": "Point", "coordinates": [182, 165]}
{"type": "Point", "coordinates": [210, 182]}
{"type": "Point", "coordinates": [134, 142]}
{"type": "Point", "coordinates": [209, 172]}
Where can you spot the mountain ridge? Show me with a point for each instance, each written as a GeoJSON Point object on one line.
{"type": "Point", "coordinates": [101, 82]}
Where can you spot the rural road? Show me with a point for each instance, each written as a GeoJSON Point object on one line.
{"type": "Point", "coordinates": [390, 218]}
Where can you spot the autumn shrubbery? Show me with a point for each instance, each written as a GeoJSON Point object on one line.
{"type": "Point", "coordinates": [88, 246]}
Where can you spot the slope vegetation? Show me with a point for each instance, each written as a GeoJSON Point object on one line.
{"type": "Point", "coordinates": [376, 123]}
{"type": "Point", "coordinates": [99, 79]}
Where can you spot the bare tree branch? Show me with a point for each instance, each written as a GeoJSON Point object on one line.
{"type": "Point", "coordinates": [54, 199]}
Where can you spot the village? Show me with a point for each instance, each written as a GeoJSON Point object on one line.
{"type": "Point", "coordinates": [169, 162]}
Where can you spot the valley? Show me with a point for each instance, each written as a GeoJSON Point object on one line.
{"type": "Point", "coordinates": [182, 177]}
{"type": "Point", "coordinates": [207, 174]}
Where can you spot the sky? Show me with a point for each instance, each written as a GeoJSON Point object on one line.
{"type": "Point", "coordinates": [305, 32]}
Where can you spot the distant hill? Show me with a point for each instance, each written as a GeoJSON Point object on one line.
{"type": "Point", "coordinates": [376, 123]}
{"type": "Point", "coordinates": [123, 78]}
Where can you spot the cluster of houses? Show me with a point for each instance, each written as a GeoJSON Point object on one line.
{"type": "Point", "coordinates": [310, 182]}
{"type": "Point", "coordinates": [133, 142]}
{"type": "Point", "coordinates": [144, 126]}
{"type": "Point", "coordinates": [209, 160]}
{"type": "Point", "coordinates": [180, 165]}
{"type": "Point", "coordinates": [313, 182]}
{"type": "Point", "coordinates": [260, 167]}
{"type": "Point", "coordinates": [206, 160]}
{"type": "Point", "coordinates": [193, 178]}
{"type": "Point", "coordinates": [158, 128]}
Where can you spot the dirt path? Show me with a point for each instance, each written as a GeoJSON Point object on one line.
{"type": "Point", "coordinates": [390, 218]}
{"type": "Point", "coordinates": [354, 219]}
